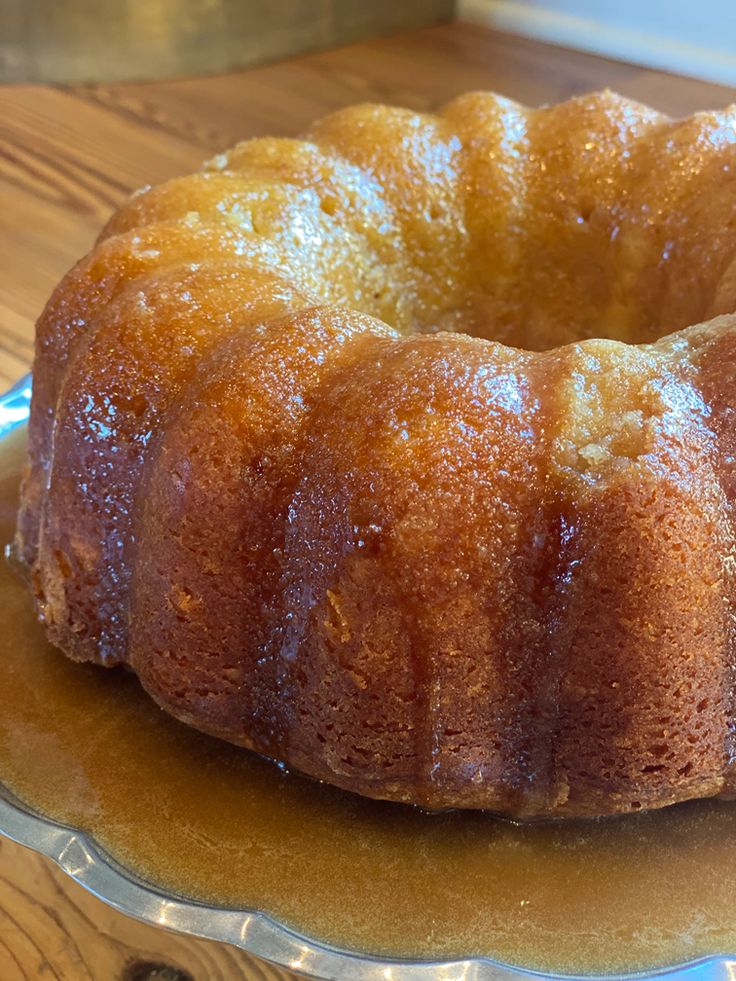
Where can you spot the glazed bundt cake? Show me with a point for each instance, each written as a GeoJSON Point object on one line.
{"type": "Point", "coordinates": [392, 453]}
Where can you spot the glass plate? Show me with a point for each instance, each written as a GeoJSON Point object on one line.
{"type": "Point", "coordinates": [79, 855]}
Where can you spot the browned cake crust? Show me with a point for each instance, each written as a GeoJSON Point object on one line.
{"type": "Point", "coordinates": [474, 558]}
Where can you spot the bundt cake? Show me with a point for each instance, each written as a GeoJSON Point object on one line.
{"type": "Point", "coordinates": [393, 453]}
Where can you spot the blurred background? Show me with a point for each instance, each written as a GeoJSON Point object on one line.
{"type": "Point", "coordinates": [72, 41]}
{"type": "Point", "coordinates": [697, 39]}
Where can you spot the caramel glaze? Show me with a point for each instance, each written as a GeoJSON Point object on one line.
{"type": "Point", "coordinates": [208, 820]}
{"type": "Point", "coordinates": [281, 465]}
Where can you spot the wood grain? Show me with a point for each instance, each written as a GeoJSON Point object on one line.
{"type": "Point", "coordinates": [67, 157]}
{"type": "Point", "coordinates": [50, 927]}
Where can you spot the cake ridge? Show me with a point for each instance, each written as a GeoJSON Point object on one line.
{"type": "Point", "coordinates": [713, 367]}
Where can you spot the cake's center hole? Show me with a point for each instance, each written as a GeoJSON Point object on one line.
{"type": "Point", "coordinates": [532, 327]}
{"type": "Point", "coordinates": [559, 294]}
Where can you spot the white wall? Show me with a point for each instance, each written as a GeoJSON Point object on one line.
{"type": "Point", "coordinates": [697, 37]}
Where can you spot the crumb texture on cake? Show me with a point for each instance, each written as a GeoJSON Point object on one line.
{"type": "Point", "coordinates": [405, 453]}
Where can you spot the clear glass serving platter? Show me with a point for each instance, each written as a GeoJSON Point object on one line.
{"type": "Point", "coordinates": [81, 857]}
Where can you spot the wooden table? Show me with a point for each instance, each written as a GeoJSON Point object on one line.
{"type": "Point", "coordinates": [67, 158]}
